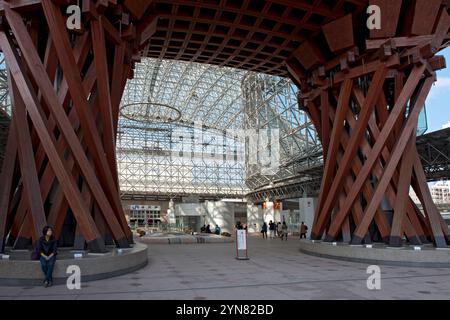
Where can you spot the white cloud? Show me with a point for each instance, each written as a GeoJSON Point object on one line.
{"type": "Point", "coordinates": [441, 86]}
{"type": "Point", "coordinates": [443, 82]}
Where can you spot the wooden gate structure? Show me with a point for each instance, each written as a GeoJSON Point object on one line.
{"type": "Point", "coordinates": [363, 89]}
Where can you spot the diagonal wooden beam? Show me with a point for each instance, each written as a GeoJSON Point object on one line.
{"type": "Point", "coordinates": [327, 115]}
{"type": "Point", "coordinates": [80, 50]}
{"type": "Point", "coordinates": [69, 188]}
{"type": "Point", "coordinates": [434, 217]}
{"type": "Point", "coordinates": [51, 64]}
{"type": "Point", "coordinates": [27, 164]}
{"type": "Point", "coordinates": [50, 61]}
{"type": "Point", "coordinates": [12, 209]}
{"type": "Point", "coordinates": [395, 156]}
{"type": "Point", "coordinates": [7, 176]}
{"type": "Point", "coordinates": [25, 235]}
{"type": "Point", "coordinates": [315, 117]}
{"type": "Point", "coordinates": [324, 107]}
{"type": "Point", "coordinates": [79, 97]}
{"type": "Point", "coordinates": [402, 193]}
{"type": "Point", "coordinates": [367, 190]}
{"type": "Point", "coordinates": [441, 31]}
{"type": "Point", "coordinates": [350, 152]}
{"type": "Point", "coordinates": [382, 113]}
{"type": "Point", "coordinates": [101, 67]}
{"type": "Point", "coordinates": [38, 71]}
{"type": "Point", "coordinates": [335, 138]}
{"type": "Point", "coordinates": [48, 176]}
{"type": "Point", "coordinates": [383, 116]}
{"type": "Point", "coordinates": [378, 147]}
{"type": "Point", "coordinates": [116, 83]}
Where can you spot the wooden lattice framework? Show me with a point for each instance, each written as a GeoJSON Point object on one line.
{"type": "Point", "coordinates": [365, 106]}
{"type": "Point", "coordinates": [356, 85]}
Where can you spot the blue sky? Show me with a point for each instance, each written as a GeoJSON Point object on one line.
{"type": "Point", "coordinates": [438, 102]}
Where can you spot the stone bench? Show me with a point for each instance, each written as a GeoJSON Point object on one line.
{"type": "Point", "coordinates": [19, 270]}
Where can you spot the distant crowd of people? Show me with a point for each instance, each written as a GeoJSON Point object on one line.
{"type": "Point", "coordinates": [280, 230]}
{"type": "Point", "coordinates": [275, 229]}
{"type": "Point", "coordinates": [207, 229]}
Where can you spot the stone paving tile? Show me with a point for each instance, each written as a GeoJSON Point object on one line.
{"type": "Point", "coordinates": [115, 296]}
{"type": "Point", "coordinates": [48, 297]}
{"type": "Point", "coordinates": [6, 292]}
{"type": "Point", "coordinates": [276, 271]}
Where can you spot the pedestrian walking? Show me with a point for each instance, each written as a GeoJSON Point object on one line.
{"type": "Point", "coordinates": [279, 229]}
{"type": "Point", "coordinates": [303, 230]}
{"type": "Point", "coordinates": [264, 230]}
{"type": "Point", "coordinates": [284, 231]}
{"type": "Point", "coordinates": [272, 229]}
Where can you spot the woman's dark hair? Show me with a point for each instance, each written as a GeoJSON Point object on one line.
{"type": "Point", "coordinates": [44, 231]}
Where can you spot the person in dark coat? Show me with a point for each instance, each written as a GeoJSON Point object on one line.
{"type": "Point", "coordinates": [272, 229]}
{"type": "Point", "coordinates": [47, 249]}
{"type": "Point", "coordinates": [264, 230]}
{"type": "Point", "coordinates": [303, 230]}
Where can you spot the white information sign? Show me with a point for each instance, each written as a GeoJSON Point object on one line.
{"type": "Point", "coordinates": [241, 240]}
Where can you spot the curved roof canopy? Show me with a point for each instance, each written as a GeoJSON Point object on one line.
{"type": "Point", "coordinates": [199, 92]}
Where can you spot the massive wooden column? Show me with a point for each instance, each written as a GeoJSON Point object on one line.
{"type": "Point", "coordinates": [66, 88]}
{"type": "Point", "coordinates": [364, 95]}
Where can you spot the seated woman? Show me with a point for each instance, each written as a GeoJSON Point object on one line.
{"type": "Point", "coordinates": [47, 248]}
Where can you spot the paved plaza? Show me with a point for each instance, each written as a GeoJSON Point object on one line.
{"type": "Point", "coordinates": [276, 271]}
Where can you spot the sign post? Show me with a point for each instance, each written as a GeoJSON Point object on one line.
{"type": "Point", "coordinates": [241, 245]}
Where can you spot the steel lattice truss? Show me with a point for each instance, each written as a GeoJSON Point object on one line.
{"type": "Point", "coordinates": [271, 105]}
{"type": "Point", "coordinates": [289, 189]}
{"type": "Point", "coordinates": [5, 109]}
{"type": "Point", "coordinates": [200, 92]}
{"type": "Point", "coordinates": [159, 156]}
{"type": "Point", "coordinates": [434, 151]}
{"type": "Point", "coordinates": [202, 151]}
{"type": "Point", "coordinates": [5, 101]}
